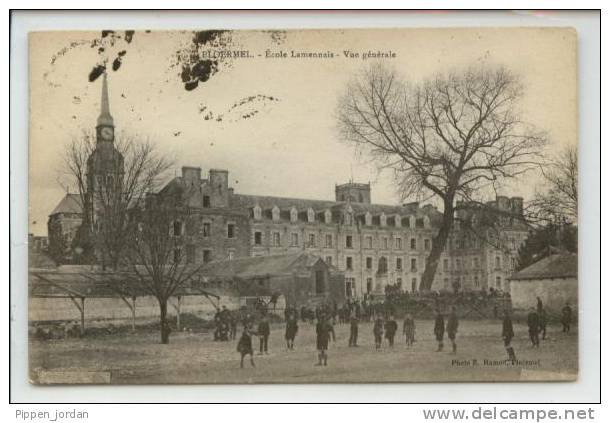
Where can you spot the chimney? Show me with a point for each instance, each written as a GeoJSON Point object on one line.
{"type": "Point", "coordinates": [191, 175]}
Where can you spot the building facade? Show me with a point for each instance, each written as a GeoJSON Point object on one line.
{"type": "Point", "coordinates": [374, 245]}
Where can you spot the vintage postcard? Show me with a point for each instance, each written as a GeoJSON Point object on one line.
{"type": "Point", "coordinates": [303, 206]}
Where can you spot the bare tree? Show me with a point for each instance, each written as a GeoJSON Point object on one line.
{"type": "Point", "coordinates": [447, 137]}
{"type": "Point", "coordinates": [139, 169]}
{"type": "Point", "coordinates": [155, 252]}
{"type": "Point", "coordinates": [559, 202]}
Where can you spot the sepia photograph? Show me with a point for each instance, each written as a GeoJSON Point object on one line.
{"type": "Point", "coordinates": [344, 205]}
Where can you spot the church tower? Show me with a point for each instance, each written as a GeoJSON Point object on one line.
{"type": "Point", "coordinates": [105, 166]}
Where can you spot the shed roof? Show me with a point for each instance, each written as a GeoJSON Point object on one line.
{"type": "Point", "coordinates": [263, 266]}
{"type": "Point", "coordinates": [564, 265]}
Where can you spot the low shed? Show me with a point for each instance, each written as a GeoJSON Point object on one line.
{"type": "Point", "coordinates": [302, 278]}
{"type": "Point", "coordinates": [554, 279]}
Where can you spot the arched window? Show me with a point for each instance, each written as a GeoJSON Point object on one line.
{"type": "Point", "coordinates": [294, 214]}
{"type": "Point", "coordinates": [311, 215]}
{"type": "Point", "coordinates": [398, 221]}
{"type": "Point", "coordinates": [257, 212]}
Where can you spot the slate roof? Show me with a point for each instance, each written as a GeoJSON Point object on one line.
{"type": "Point", "coordinates": [69, 204]}
{"type": "Point", "coordinates": [263, 266]}
{"type": "Point", "coordinates": [563, 265]}
{"type": "Point", "coordinates": [301, 204]}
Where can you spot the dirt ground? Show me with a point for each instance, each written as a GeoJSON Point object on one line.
{"type": "Point", "coordinates": [195, 358]}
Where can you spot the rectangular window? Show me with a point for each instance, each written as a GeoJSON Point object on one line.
{"type": "Point", "coordinates": [177, 228]}
{"type": "Point", "coordinates": [369, 263]}
{"type": "Point", "coordinates": [445, 264]}
{"type": "Point", "coordinates": [349, 263]}
{"type": "Point", "coordinates": [329, 241]}
{"type": "Point", "coordinates": [348, 241]}
{"type": "Point", "coordinates": [258, 238]}
{"type": "Point", "coordinates": [369, 242]}
{"type": "Point", "coordinates": [207, 256]}
{"type": "Point", "coordinates": [398, 263]}
{"type": "Point", "coordinates": [350, 284]}
{"type": "Point", "coordinates": [231, 230]}
{"type": "Point", "coordinates": [311, 241]}
{"type": "Point", "coordinates": [207, 228]}
{"type": "Point", "coordinates": [413, 265]}
{"type": "Point", "coordinates": [476, 281]}
{"type": "Point", "coordinates": [498, 282]}
{"type": "Point", "coordinates": [276, 239]}
{"type": "Point", "coordinates": [446, 283]}
{"type": "Point", "coordinates": [190, 254]}
{"type": "Point", "coordinates": [399, 283]}
{"type": "Point", "coordinates": [206, 201]}
{"type": "Point", "coordinates": [399, 243]}
{"type": "Point", "coordinates": [426, 244]}
{"type": "Point", "coordinates": [369, 285]}
{"type": "Point", "coordinates": [385, 243]}
{"type": "Point", "coordinates": [231, 254]}
{"type": "Point", "coordinates": [413, 244]}
{"type": "Point", "coordinates": [294, 240]}
{"type": "Point", "coordinates": [458, 264]}
{"type": "Point", "coordinates": [329, 260]}
{"type": "Point", "coordinates": [498, 266]}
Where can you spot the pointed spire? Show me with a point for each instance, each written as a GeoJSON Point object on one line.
{"type": "Point", "coordinates": [105, 118]}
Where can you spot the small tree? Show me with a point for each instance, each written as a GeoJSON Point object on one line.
{"type": "Point", "coordinates": [558, 203]}
{"type": "Point", "coordinates": [447, 137]}
{"type": "Point", "coordinates": [155, 252]}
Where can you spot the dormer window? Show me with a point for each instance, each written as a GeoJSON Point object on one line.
{"type": "Point", "coordinates": [328, 216]}
{"type": "Point", "coordinates": [258, 213]}
{"type": "Point", "coordinates": [294, 214]}
{"type": "Point", "coordinates": [398, 221]}
{"type": "Point", "coordinates": [275, 213]}
{"type": "Point", "coordinates": [347, 218]}
{"type": "Point", "coordinates": [383, 219]}
{"type": "Point", "coordinates": [412, 221]}
{"type": "Point", "coordinates": [311, 215]}
{"type": "Point", "coordinates": [368, 219]}
{"type": "Point", "coordinates": [426, 222]}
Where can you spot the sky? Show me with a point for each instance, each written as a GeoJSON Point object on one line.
{"type": "Point", "coordinates": [277, 131]}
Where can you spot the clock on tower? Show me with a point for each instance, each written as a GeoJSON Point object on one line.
{"type": "Point", "coordinates": [105, 123]}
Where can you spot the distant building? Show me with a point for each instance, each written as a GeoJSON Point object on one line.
{"type": "Point", "coordinates": [63, 225]}
{"type": "Point", "coordinates": [554, 279]}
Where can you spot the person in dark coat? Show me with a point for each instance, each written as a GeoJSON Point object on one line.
{"type": "Point", "coordinates": [452, 328]}
{"type": "Point", "coordinates": [539, 305]}
{"type": "Point", "coordinates": [390, 330]}
{"type": "Point", "coordinates": [439, 329]}
{"type": "Point", "coordinates": [507, 336]}
{"type": "Point", "coordinates": [533, 325]}
{"type": "Point", "coordinates": [408, 329]}
{"type": "Point", "coordinates": [324, 331]}
{"type": "Point", "coordinates": [292, 327]}
{"type": "Point", "coordinates": [378, 331]}
{"type": "Point", "coordinates": [233, 325]}
{"type": "Point", "coordinates": [542, 320]}
{"type": "Point", "coordinates": [263, 334]}
{"type": "Point", "coordinates": [353, 329]}
{"type": "Point", "coordinates": [244, 346]}
{"type": "Point", "coordinates": [566, 318]}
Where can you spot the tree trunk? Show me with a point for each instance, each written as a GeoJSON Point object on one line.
{"type": "Point", "coordinates": [164, 323]}
{"type": "Point", "coordinates": [438, 245]}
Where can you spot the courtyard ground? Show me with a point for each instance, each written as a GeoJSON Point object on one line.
{"type": "Point", "coordinates": [195, 358]}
